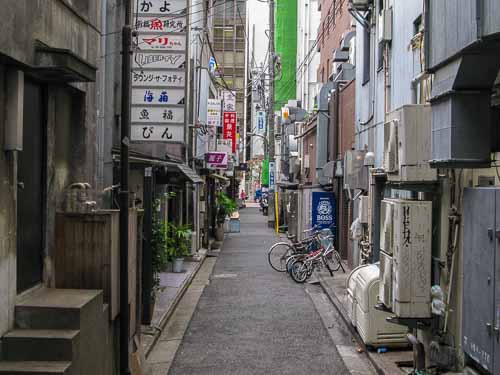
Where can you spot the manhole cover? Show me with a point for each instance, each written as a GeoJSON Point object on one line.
{"type": "Point", "coordinates": [224, 276]}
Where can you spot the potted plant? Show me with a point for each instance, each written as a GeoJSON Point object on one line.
{"type": "Point", "coordinates": [225, 207]}
{"type": "Point", "coordinates": [159, 254]}
{"type": "Point", "coordinates": [178, 245]}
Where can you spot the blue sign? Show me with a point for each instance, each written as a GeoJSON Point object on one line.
{"type": "Point", "coordinates": [211, 65]}
{"type": "Point", "coordinates": [260, 122]}
{"type": "Point", "coordinates": [272, 176]}
{"type": "Point", "coordinates": [323, 209]}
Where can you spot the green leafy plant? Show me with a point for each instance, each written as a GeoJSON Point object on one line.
{"type": "Point", "coordinates": [178, 240]}
{"type": "Point", "coordinates": [159, 247]}
{"type": "Point", "coordinates": [225, 206]}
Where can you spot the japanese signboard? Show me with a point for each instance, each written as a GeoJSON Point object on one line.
{"type": "Point", "coordinates": [158, 71]}
{"type": "Point", "coordinates": [157, 96]}
{"type": "Point", "coordinates": [225, 145]}
{"type": "Point", "coordinates": [169, 42]}
{"type": "Point", "coordinates": [217, 160]}
{"type": "Point", "coordinates": [272, 175]}
{"type": "Point", "coordinates": [157, 114]}
{"type": "Point", "coordinates": [172, 24]}
{"type": "Point", "coordinates": [155, 78]}
{"type": "Point", "coordinates": [162, 7]}
{"type": "Point", "coordinates": [153, 132]}
{"type": "Point", "coordinates": [229, 98]}
{"type": "Point", "coordinates": [323, 209]}
{"type": "Point", "coordinates": [229, 131]}
{"type": "Point", "coordinates": [260, 122]}
{"type": "Point", "coordinates": [214, 112]}
{"type": "Point", "coordinates": [159, 60]}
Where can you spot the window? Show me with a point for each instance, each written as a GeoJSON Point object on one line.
{"type": "Point", "coordinates": [366, 54]}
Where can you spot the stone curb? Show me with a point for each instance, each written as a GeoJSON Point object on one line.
{"type": "Point", "coordinates": [166, 316]}
{"type": "Point", "coordinates": [343, 313]}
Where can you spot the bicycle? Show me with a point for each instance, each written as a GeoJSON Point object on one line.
{"type": "Point", "coordinates": [279, 253]}
{"type": "Point", "coordinates": [303, 267]}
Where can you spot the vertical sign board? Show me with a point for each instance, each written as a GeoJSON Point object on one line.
{"type": "Point", "coordinates": [272, 176]}
{"type": "Point", "coordinates": [158, 110]}
{"type": "Point", "coordinates": [323, 210]}
{"type": "Point", "coordinates": [229, 131]}
{"type": "Point", "coordinates": [229, 98]}
{"type": "Point", "coordinates": [214, 112]}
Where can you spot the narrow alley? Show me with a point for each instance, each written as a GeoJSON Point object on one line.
{"type": "Point", "coordinates": [253, 320]}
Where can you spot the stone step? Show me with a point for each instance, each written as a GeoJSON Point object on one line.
{"type": "Point", "coordinates": [50, 308]}
{"type": "Point", "coordinates": [35, 368]}
{"type": "Point", "coordinates": [40, 345]}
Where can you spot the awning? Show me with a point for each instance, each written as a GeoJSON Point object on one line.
{"type": "Point", "coordinates": [189, 173]}
{"type": "Point", "coordinates": [220, 177]}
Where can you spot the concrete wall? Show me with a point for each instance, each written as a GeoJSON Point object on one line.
{"type": "Point", "coordinates": [71, 119]}
{"type": "Point", "coordinates": [8, 199]}
{"type": "Point", "coordinates": [308, 19]}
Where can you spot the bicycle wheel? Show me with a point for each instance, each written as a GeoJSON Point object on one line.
{"type": "Point", "coordinates": [291, 260]}
{"type": "Point", "coordinates": [334, 261]}
{"type": "Point", "coordinates": [278, 255]}
{"type": "Point", "coordinates": [299, 272]}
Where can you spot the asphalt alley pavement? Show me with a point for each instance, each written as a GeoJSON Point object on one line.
{"type": "Point", "coordinates": [253, 320]}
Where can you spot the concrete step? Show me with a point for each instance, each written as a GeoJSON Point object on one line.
{"type": "Point", "coordinates": [40, 345]}
{"type": "Point", "coordinates": [35, 368]}
{"type": "Point", "coordinates": [50, 308]}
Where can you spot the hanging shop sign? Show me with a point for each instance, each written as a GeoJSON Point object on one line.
{"type": "Point", "coordinates": [157, 114]}
{"type": "Point", "coordinates": [157, 78]}
{"type": "Point", "coordinates": [216, 160]}
{"type": "Point", "coordinates": [159, 84]}
{"type": "Point", "coordinates": [323, 209]}
{"type": "Point", "coordinates": [166, 42]}
{"type": "Point", "coordinates": [161, 7]}
{"type": "Point", "coordinates": [229, 98]}
{"type": "Point", "coordinates": [157, 133]}
{"type": "Point", "coordinates": [157, 95]}
{"type": "Point", "coordinates": [225, 145]}
{"type": "Point", "coordinates": [162, 60]}
{"type": "Point", "coordinates": [170, 24]}
{"type": "Point", "coordinates": [272, 176]}
{"type": "Point", "coordinates": [229, 130]}
{"type": "Point", "coordinates": [214, 107]}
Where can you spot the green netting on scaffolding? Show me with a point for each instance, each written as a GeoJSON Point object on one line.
{"type": "Point", "coordinates": [286, 47]}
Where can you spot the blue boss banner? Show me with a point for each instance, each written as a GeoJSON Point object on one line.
{"type": "Point", "coordinates": [323, 209]}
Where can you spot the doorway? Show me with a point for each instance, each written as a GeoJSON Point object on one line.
{"type": "Point", "coordinates": [30, 198]}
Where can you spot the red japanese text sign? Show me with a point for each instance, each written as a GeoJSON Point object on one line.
{"type": "Point", "coordinates": [229, 131]}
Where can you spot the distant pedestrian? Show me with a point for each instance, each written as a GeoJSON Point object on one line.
{"type": "Point", "coordinates": [243, 196]}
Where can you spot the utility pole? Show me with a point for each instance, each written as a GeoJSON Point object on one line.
{"type": "Point", "coordinates": [124, 193]}
{"type": "Point", "coordinates": [270, 116]}
{"type": "Point", "coordinates": [272, 57]}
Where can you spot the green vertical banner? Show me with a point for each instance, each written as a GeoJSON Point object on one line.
{"type": "Point", "coordinates": [286, 47]}
{"type": "Point", "coordinates": [265, 173]}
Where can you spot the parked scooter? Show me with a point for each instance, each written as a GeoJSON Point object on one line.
{"type": "Point", "coordinates": [264, 203]}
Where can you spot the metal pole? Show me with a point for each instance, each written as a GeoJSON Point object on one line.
{"type": "Point", "coordinates": [271, 143]}
{"type": "Point", "coordinates": [147, 259]}
{"type": "Point", "coordinates": [271, 81]}
{"type": "Point", "coordinates": [124, 193]}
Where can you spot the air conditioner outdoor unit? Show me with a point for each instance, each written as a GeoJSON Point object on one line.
{"type": "Point", "coordinates": [361, 5]}
{"type": "Point", "coordinates": [371, 323]}
{"type": "Point", "coordinates": [411, 270]}
{"type": "Point", "coordinates": [385, 26]}
{"type": "Point", "coordinates": [407, 145]}
{"type": "Point", "coordinates": [355, 172]}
